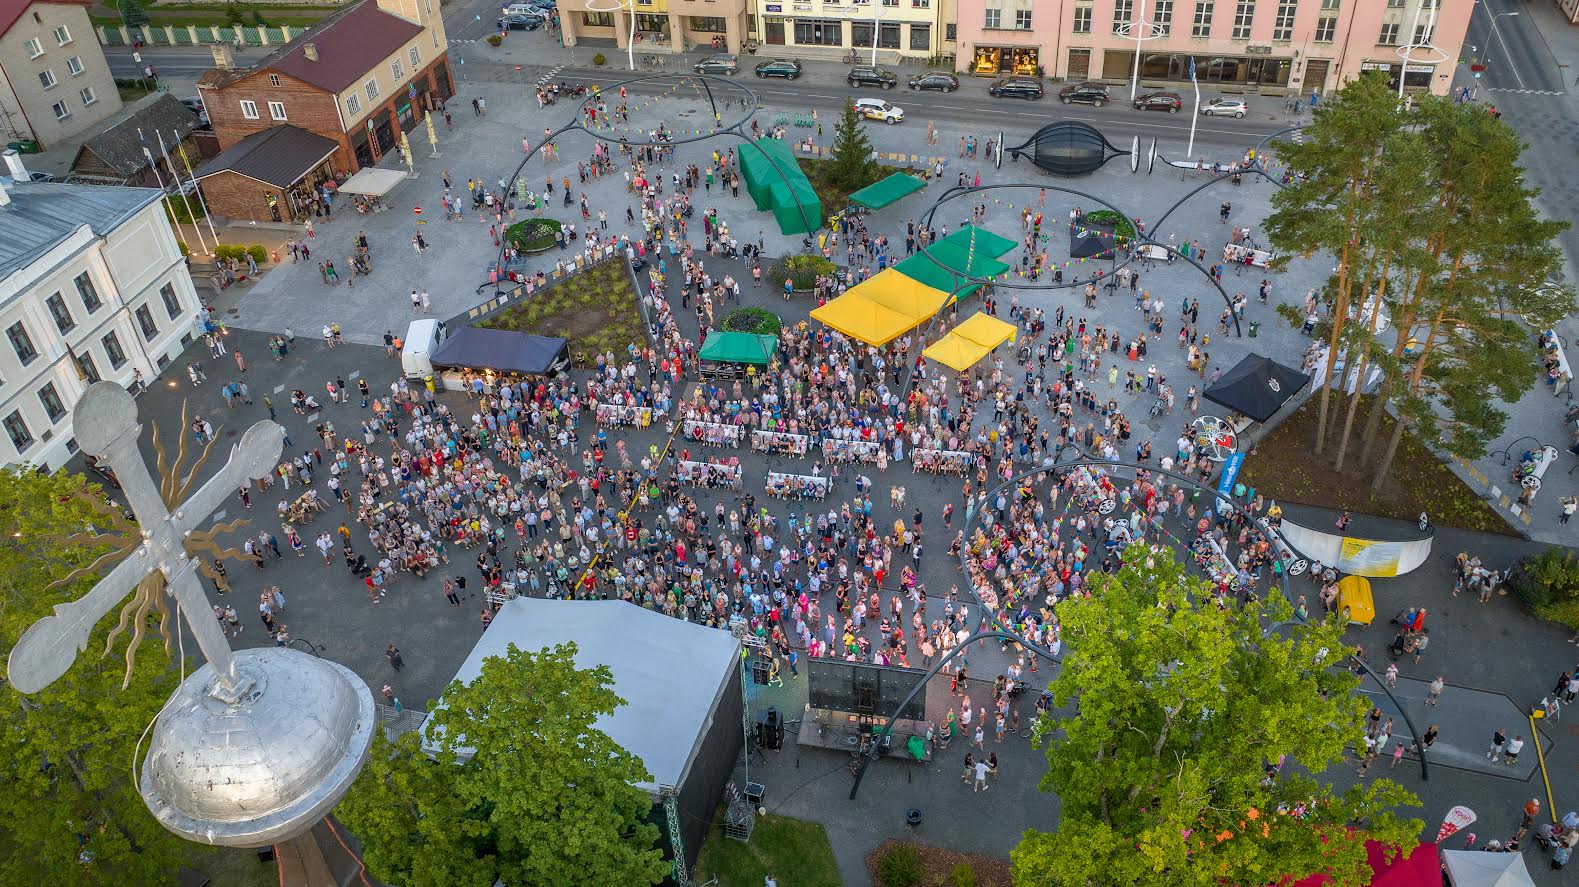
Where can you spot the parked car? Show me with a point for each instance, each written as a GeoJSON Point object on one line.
{"type": "Point", "coordinates": [1159, 101]}
{"type": "Point", "coordinates": [1223, 106]}
{"type": "Point", "coordinates": [866, 75]}
{"type": "Point", "coordinates": [722, 63]}
{"type": "Point", "coordinates": [195, 105]}
{"type": "Point", "coordinates": [1016, 88]}
{"type": "Point", "coordinates": [519, 21]}
{"type": "Point", "coordinates": [938, 80]}
{"type": "Point", "coordinates": [877, 109]}
{"type": "Point", "coordinates": [789, 69]}
{"type": "Point", "coordinates": [1093, 94]}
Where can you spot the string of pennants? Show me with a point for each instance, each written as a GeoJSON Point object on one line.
{"type": "Point", "coordinates": [604, 121]}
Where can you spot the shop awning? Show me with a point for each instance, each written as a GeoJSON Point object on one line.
{"type": "Point", "coordinates": [938, 267]}
{"type": "Point", "coordinates": [888, 192]}
{"type": "Point", "coordinates": [372, 181]}
{"type": "Point", "coordinates": [971, 341]}
{"type": "Point", "coordinates": [731, 347]}
{"type": "Point", "coordinates": [994, 245]}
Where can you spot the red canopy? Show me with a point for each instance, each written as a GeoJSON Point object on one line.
{"type": "Point", "coordinates": [1419, 868]}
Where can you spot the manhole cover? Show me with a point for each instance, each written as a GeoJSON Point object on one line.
{"type": "Point", "coordinates": [233, 311]}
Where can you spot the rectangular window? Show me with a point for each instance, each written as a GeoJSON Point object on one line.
{"type": "Point", "coordinates": [598, 19]}
{"type": "Point", "coordinates": [62, 315]}
{"type": "Point", "coordinates": [1389, 34]}
{"type": "Point", "coordinates": [1022, 20]}
{"type": "Point", "coordinates": [920, 36]}
{"type": "Point", "coordinates": [371, 88]}
{"type": "Point", "coordinates": [90, 295]}
{"type": "Point", "coordinates": [172, 302]}
{"type": "Point", "coordinates": [276, 110]}
{"type": "Point", "coordinates": [1201, 26]}
{"type": "Point", "coordinates": [921, 4]}
{"type": "Point", "coordinates": [1283, 23]}
{"type": "Point", "coordinates": [1082, 23]}
{"type": "Point", "coordinates": [50, 398]}
{"type": "Point", "coordinates": [60, 110]}
{"type": "Point", "coordinates": [1162, 15]}
{"type": "Point", "coordinates": [1123, 15]}
{"type": "Point", "coordinates": [89, 371]}
{"type": "Point", "coordinates": [145, 320]}
{"type": "Point", "coordinates": [16, 429]}
{"type": "Point", "coordinates": [62, 36]}
{"type": "Point", "coordinates": [951, 31]}
{"type": "Point", "coordinates": [992, 18]}
{"type": "Point", "coordinates": [73, 66]}
{"type": "Point", "coordinates": [21, 343]}
{"type": "Point", "coordinates": [1395, 4]}
{"type": "Point", "coordinates": [712, 24]}
{"type": "Point", "coordinates": [1244, 17]}
{"type": "Point", "coordinates": [416, 57]}
{"type": "Point", "coordinates": [112, 349]}
{"type": "Point", "coordinates": [1326, 28]}
{"type": "Point", "coordinates": [34, 48]}
{"type": "Point", "coordinates": [46, 78]}
{"type": "Point", "coordinates": [353, 104]}
{"type": "Point", "coordinates": [1423, 35]}
{"type": "Point", "coordinates": [819, 32]}
{"type": "Point", "coordinates": [395, 70]}
{"type": "Point", "coordinates": [274, 80]}
{"type": "Point", "coordinates": [87, 95]}
{"type": "Point", "coordinates": [249, 109]}
{"type": "Point", "coordinates": [1330, 5]}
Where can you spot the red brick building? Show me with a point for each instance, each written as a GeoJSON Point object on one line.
{"type": "Point", "coordinates": [358, 78]}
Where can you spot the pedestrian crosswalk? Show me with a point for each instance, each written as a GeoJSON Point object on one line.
{"type": "Point", "coordinates": [546, 78]}
{"type": "Point", "coordinates": [1525, 91]}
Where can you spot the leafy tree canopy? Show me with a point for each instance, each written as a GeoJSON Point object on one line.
{"type": "Point", "coordinates": [522, 787]}
{"type": "Point", "coordinates": [1181, 703]}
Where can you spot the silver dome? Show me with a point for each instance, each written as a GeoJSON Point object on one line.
{"type": "Point", "coordinates": [267, 767]}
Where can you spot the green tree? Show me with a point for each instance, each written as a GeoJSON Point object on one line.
{"type": "Point", "coordinates": [70, 813]}
{"type": "Point", "coordinates": [852, 164]}
{"type": "Point", "coordinates": [1179, 703]}
{"type": "Point", "coordinates": [132, 14]}
{"type": "Point", "coordinates": [521, 786]}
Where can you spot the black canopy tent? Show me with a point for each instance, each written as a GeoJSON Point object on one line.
{"type": "Point", "coordinates": [1087, 240]}
{"type": "Point", "coordinates": [502, 351]}
{"type": "Point", "coordinates": [1257, 387]}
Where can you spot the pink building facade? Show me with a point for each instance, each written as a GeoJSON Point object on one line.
{"type": "Point", "coordinates": [1271, 47]}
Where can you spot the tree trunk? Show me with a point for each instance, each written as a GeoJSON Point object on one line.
{"type": "Point", "coordinates": [1386, 465]}
{"type": "Point", "coordinates": [1363, 362]}
{"type": "Point", "coordinates": [1387, 456]}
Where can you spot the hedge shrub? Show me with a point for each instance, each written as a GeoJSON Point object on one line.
{"type": "Point", "coordinates": [802, 271]}
{"type": "Point", "coordinates": [494, 39]}
{"type": "Point", "coordinates": [257, 251]}
{"type": "Point", "coordinates": [1548, 583]}
{"type": "Point", "coordinates": [899, 867]}
{"type": "Point", "coordinates": [752, 320]}
{"type": "Point", "coordinates": [533, 235]}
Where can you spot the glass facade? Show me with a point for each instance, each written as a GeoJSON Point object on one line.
{"type": "Point", "coordinates": [1021, 60]}
{"type": "Point", "coordinates": [1248, 70]}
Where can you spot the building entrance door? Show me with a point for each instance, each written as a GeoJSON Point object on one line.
{"type": "Point", "coordinates": [1079, 64]}
{"type": "Point", "coordinates": [1316, 75]}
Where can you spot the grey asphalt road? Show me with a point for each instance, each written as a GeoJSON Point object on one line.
{"type": "Point", "coordinates": [1506, 35]}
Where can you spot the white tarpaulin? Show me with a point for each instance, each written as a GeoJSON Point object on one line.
{"type": "Point", "coordinates": [1477, 868]}
{"type": "Point", "coordinates": [1361, 557]}
{"type": "Point", "coordinates": [373, 182]}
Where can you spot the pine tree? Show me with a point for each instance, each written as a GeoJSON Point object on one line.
{"type": "Point", "coordinates": [132, 14]}
{"type": "Point", "coordinates": [852, 163]}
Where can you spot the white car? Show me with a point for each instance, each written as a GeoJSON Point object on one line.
{"type": "Point", "coordinates": [877, 109]}
{"type": "Point", "coordinates": [1223, 106]}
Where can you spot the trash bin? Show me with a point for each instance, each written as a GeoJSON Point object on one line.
{"type": "Point", "coordinates": [1255, 328]}
{"type": "Point", "coordinates": [428, 380]}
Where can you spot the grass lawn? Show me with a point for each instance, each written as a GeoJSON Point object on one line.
{"type": "Point", "coordinates": [1284, 467]}
{"type": "Point", "coordinates": [794, 851]}
{"type": "Point", "coordinates": [595, 310]}
{"type": "Point", "coordinates": [835, 197]}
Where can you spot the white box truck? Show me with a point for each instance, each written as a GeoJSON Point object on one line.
{"type": "Point", "coordinates": [422, 338]}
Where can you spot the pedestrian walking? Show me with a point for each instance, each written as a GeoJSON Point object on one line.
{"type": "Point", "coordinates": [1499, 740]}
{"type": "Point", "coordinates": [392, 653]}
{"type": "Point", "coordinates": [241, 362]}
{"type": "Point", "coordinates": [1434, 692]}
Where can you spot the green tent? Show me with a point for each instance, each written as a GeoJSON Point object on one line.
{"type": "Point", "coordinates": [775, 182]}
{"type": "Point", "coordinates": [789, 200]}
{"type": "Point", "coordinates": [888, 192]}
{"type": "Point", "coordinates": [727, 347]}
{"type": "Point", "coordinates": [986, 242]}
{"type": "Point", "coordinates": [936, 268]}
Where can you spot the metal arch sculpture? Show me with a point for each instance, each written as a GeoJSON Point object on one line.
{"type": "Point", "coordinates": [1068, 148]}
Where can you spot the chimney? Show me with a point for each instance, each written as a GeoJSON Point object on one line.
{"type": "Point", "coordinates": [224, 58]}
{"type": "Point", "coordinates": [310, 50]}
{"type": "Point", "coordinates": [13, 165]}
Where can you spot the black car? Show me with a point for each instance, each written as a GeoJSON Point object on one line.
{"type": "Point", "coordinates": [1159, 101]}
{"type": "Point", "coordinates": [518, 22]}
{"type": "Point", "coordinates": [789, 69]}
{"type": "Point", "coordinates": [936, 80]}
{"type": "Point", "coordinates": [1016, 88]}
{"type": "Point", "coordinates": [866, 75]}
{"type": "Point", "coordinates": [723, 63]}
{"type": "Point", "coordinates": [1093, 94]}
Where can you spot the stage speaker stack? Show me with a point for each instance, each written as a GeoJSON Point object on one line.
{"type": "Point", "coordinates": [759, 672]}
{"type": "Point", "coordinates": [773, 730]}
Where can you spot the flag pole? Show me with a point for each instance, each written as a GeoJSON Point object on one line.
{"type": "Point", "coordinates": [207, 216]}
{"type": "Point", "coordinates": [170, 165]}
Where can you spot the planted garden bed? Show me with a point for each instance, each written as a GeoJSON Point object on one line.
{"type": "Point", "coordinates": [595, 310]}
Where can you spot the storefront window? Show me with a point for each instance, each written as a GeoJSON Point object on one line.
{"type": "Point", "coordinates": [1021, 60]}
{"type": "Point", "coordinates": [1254, 71]}
{"type": "Point", "coordinates": [860, 33]}
{"type": "Point", "coordinates": [987, 60]}
{"type": "Point", "coordinates": [1024, 61]}
{"type": "Point", "coordinates": [921, 37]}
{"type": "Point", "coordinates": [709, 23]}
{"type": "Point", "coordinates": [888, 36]}
{"type": "Point", "coordinates": [598, 19]}
{"type": "Point", "coordinates": [652, 24]}
{"type": "Point", "coordinates": [819, 32]}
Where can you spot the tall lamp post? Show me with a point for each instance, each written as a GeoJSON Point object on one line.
{"type": "Point", "coordinates": [1139, 31]}
{"type": "Point", "coordinates": [616, 7]}
{"type": "Point", "coordinates": [1496, 32]}
{"type": "Point", "coordinates": [859, 11]}
{"type": "Point", "coordinates": [1416, 43]}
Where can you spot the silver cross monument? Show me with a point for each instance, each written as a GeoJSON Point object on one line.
{"type": "Point", "coordinates": [105, 422]}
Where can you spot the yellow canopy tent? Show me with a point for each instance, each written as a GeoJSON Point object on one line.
{"type": "Point", "coordinates": [906, 295]}
{"type": "Point", "coordinates": [971, 341]}
{"type": "Point", "coordinates": [864, 320]}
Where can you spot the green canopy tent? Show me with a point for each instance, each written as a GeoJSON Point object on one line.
{"type": "Point", "coordinates": [787, 201]}
{"type": "Point", "coordinates": [888, 191]}
{"type": "Point", "coordinates": [944, 259]}
{"type": "Point", "coordinates": [727, 347]}
{"type": "Point", "coordinates": [994, 245]}
{"type": "Point", "coordinates": [776, 184]}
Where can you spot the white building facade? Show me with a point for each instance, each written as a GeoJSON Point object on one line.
{"type": "Point", "coordinates": [92, 286]}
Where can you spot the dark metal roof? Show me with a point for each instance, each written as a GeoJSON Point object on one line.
{"type": "Point", "coordinates": [349, 44]}
{"type": "Point", "coordinates": [278, 156]}
{"type": "Point", "coordinates": [120, 148]}
{"type": "Point", "coordinates": [40, 216]}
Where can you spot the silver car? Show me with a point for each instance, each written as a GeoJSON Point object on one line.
{"type": "Point", "coordinates": [1223, 106]}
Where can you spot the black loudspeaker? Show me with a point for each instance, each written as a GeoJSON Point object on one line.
{"type": "Point", "coordinates": [865, 692]}
{"type": "Point", "coordinates": [772, 730]}
{"type": "Point", "coordinates": [266, 854]}
{"type": "Point", "coordinates": [759, 672]}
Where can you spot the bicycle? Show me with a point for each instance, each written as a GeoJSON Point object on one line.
{"type": "Point", "coordinates": [849, 57]}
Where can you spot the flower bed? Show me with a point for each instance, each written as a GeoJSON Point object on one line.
{"type": "Point", "coordinates": [533, 235]}
{"type": "Point", "coordinates": [594, 310]}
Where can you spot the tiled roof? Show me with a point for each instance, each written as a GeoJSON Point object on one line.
{"type": "Point", "coordinates": [120, 146]}
{"type": "Point", "coordinates": [40, 216]}
{"type": "Point", "coordinates": [349, 43]}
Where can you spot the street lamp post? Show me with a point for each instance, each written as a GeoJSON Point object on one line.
{"type": "Point", "coordinates": [615, 7]}
{"type": "Point", "coordinates": [878, 11]}
{"type": "Point", "coordinates": [1407, 51]}
{"type": "Point", "coordinates": [1497, 32]}
{"type": "Point", "coordinates": [1140, 31]}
